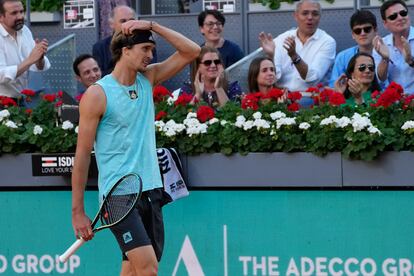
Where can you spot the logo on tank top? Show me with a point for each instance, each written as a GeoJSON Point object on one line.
{"type": "Point", "coordinates": [133, 94]}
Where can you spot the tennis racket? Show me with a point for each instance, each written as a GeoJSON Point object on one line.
{"type": "Point", "coordinates": [115, 207]}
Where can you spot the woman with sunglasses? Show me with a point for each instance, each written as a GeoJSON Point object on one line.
{"type": "Point", "coordinates": [359, 81]}
{"type": "Point", "coordinates": [208, 80]}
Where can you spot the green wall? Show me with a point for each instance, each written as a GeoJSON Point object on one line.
{"type": "Point", "coordinates": [226, 233]}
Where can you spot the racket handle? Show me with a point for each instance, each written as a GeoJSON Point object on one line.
{"type": "Point", "coordinates": [71, 250]}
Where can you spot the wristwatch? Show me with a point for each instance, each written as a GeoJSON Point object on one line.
{"type": "Point", "coordinates": [411, 62]}
{"type": "Point", "coordinates": [297, 60]}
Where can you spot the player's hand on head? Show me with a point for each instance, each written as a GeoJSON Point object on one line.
{"type": "Point", "coordinates": [131, 25]}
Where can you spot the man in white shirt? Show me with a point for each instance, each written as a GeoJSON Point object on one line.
{"type": "Point", "coordinates": [18, 51]}
{"type": "Point", "coordinates": [302, 56]}
{"type": "Point", "coordinates": [400, 42]}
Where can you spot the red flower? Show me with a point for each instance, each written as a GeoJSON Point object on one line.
{"type": "Point", "coordinates": [205, 113]}
{"type": "Point", "coordinates": [28, 111]}
{"type": "Point", "coordinates": [325, 95]}
{"type": "Point", "coordinates": [59, 94]}
{"type": "Point", "coordinates": [392, 94]}
{"type": "Point", "coordinates": [312, 90]}
{"type": "Point", "coordinates": [408, 101]}
{"type": "Point", "coordinates": [49, 97]}
{"type": "Point", "coordinates": [336, 99]}
{"type": "Point", "coordinates": [79, 97]}
{"type": "Point", "coordinates": [28, 92]}
{"type": "Point", "coordinates": [273, 94]}
{"type": "Point", "coordinates": [183, 99]}
{"type": "Point", "coordinates": [319, 85]}
{"type": "Point", "coordinates": [251, 101]}
{"type": "Point", "coordinates": [6, 101]}
{"type": "Point", "coordinates": [293, 107]}
{"type": "Point", "coordinates": [160, 115]}
{"type": "Point", "coordinates": [294, 96]}
{"type": "Point", "coordinates": [59, 103]}
{"type": "Point", "coordinates": [160, 93]}
{"type": "Point", "coordinates": [375, 94]}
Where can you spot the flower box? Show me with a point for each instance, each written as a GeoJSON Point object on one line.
{"type": "Point", "coordinates": [37, 17]}
{"type": "Point", "coordinates": [264, 170]}
{"type": "Point", "coordinates": [391, 169]}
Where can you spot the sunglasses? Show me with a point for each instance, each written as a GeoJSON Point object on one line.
{"type": "Point", "coordinates": [210, 25]}
{"type": "Point", "coordinates": [402, 13]}
{"type": "Point", "coordinates": [209, 62]}
{"type": "Point", "coordinates": [363, 67]}
{"type": "Point", "coordinates": [366, 30]}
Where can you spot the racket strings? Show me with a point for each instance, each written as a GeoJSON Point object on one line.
{"type": "Point", "coordinates": [122, 199]}
{"type": "Point", "coordinates": [118, 206]}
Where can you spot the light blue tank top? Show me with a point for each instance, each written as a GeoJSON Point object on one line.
{"type": "Point", "coordinates": [125, 137]}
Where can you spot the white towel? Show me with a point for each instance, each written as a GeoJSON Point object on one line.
{"type": "Point", "coordinates": [174, 183]}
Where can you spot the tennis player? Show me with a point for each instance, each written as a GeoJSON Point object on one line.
{"type": "Point", "coordinates": [117, 119]}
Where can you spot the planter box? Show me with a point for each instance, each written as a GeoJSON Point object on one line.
{"type": "Point", "coordinates": [264, 170]}
{"type": "Point", "coordinates": [391, 169]}
{"type": "Point", "coordinates": [45, 17]}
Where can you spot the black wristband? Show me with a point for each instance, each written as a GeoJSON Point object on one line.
{"type": "Point", "coordinates": [297, 60]}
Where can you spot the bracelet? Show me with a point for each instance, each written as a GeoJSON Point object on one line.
{"type": "Point", "coordinates": [411, 62]}
{"type": "Point", "coordinates": [297, 60]}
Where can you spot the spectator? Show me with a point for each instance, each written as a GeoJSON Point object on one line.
{"type": "Point", "coordinates": [364, 31]}
{"type": "Point", "coordinates": [101, 50]}
{"type": "Point", "coordinates": [208, 80]}
{"type": "Point", "coordinates": [304, 55]}
{"type": "Point", "coordinates": [87, 70]}
{"type": "Point", "coordinates": [19, 52]}
{"type": "Point", "coordinates": [359, 81]}
{"type": "Point", "coordinates": [400, 41]}
{"type": "Point", "coordinates": [262, 75]}
{"type": "Point", "coordinates": [211, 23]}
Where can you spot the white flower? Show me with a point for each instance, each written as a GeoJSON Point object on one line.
{"type": "Point", "coordinates": [197, 129]}
{"type": "Point", "coordinates": [3, 114]}
{"type": "Point", "coordinates": [191, 122]}
{"type": "Point", "coordinates": [77, 129]}
{"type": "Point", "coordinates": [223, 122]}
{"type": "Point", "coordinates": [213, 121]}
{"type": "Point", "coordinates": [272, 132]}
{"type": "Point", "coordinates": [343, 122]}
{"type": "Point", "coordinates": [240, 120]}
{"type": "Point", "coordinates": [285, 122]}
{"type": "Point", "coordinates": [10, 124]}
{"type": "Point", "coordinates": [304, 125]}
{"type": "Point", "coordinates": [330, 120]}
{"type": "Point", "coordinates": [260, 123]}
{"type": "Point", "coordinates": [191, 115]}
{"type": "Point", "coordinates": [159, 124]}
{"type": "Point", "coordinates": [360, 122]}
{"type": "Point", "coordinates": [248, 125]}
{"type": "Point", "coordinates": [277, 115]}
{"type": "Point", "coordinates": [408, 125]}
{"type": "Point", "coordinates": [37, 130]}
{"type": "Point", "coordinates": [257, 115]}
{"type": "Point", "coordinates": [374, 130]}
{"type": "Point", "coordinates": [67, 125]}
{"type": "Point", "coordinates": [171, 128]}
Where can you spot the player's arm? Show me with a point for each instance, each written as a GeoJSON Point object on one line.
{"type": "Point", "coordinates": [187, 50]}
{"type": "Point", "coordinates": [91, 109]}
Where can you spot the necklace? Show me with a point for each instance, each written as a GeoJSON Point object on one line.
{"type": "Point", "coordinates": [131, 91]}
